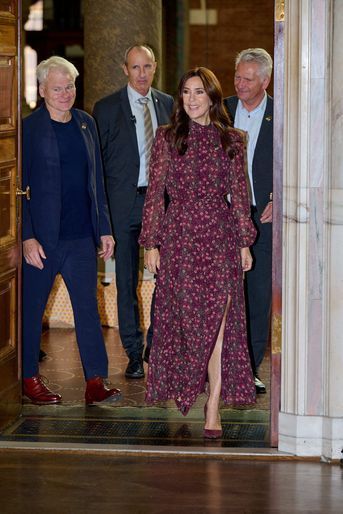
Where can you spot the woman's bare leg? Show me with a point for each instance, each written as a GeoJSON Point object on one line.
{"type": "Point", "coordinates": [212, 421]}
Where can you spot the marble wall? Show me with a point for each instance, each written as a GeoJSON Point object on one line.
{"type": "Point", "coordinates": [311, 417]}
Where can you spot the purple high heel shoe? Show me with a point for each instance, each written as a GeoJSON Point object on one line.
{"type": "Point", "coordinates": [208, 433]}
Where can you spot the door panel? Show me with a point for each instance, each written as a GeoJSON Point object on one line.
{"type": "Point", "coordinates": [10, 383]}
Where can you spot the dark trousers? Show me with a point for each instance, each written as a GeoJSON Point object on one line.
{"type": "Point", "coordinates": [127, 268]}
{"type": "Point", "coordinates": [76, 261]}
{"type": "Point", "coordinates": [259, 292]}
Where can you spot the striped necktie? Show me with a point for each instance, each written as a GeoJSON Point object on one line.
{"type": "Point", "coordinates": [148, 132]}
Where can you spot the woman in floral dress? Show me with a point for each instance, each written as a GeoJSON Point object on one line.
{"type": "Point", "coordinates": [199, 249]}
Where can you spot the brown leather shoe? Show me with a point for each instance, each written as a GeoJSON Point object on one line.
{"type": "Point", "coordinates": [37, 391]}
{"type": "Point", "coordinates": [97, 392]}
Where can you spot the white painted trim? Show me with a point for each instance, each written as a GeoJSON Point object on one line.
{"type": "Point", "coordinates": [311, 436]}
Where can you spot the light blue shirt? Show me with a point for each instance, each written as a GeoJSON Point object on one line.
{"type": "Point", "coordinates": [138, 113]}
{"type": "Point", "coordinates": [250, 121]}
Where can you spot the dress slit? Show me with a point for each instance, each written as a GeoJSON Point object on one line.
{"type": "Point", "coordinates": [213, 345]}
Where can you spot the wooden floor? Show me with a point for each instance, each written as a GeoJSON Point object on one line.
{"type": "Point", "coordinates": [67, 483]}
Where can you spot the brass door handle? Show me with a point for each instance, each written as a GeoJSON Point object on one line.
{"type": "Point", "coordinates": [19, 192]}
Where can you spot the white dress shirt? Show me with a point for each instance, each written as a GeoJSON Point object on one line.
{"type": "Point", "coordinates": [250, 121]}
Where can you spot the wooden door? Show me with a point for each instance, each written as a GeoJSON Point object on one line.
{"type": "Point", "coordinates": [10, 372]}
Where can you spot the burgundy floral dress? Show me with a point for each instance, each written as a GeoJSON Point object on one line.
{"type": "Point", "coordinates": [200, 238]}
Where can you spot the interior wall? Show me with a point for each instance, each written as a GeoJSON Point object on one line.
{"type": "Point", "coordinates": [240, 25]}
{"type": "Point", "coordinates": [62, 35]}
{"type": "Point", "coordinates": [186, 43]}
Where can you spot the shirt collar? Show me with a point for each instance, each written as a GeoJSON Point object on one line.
{"type": "Point", "coordinates": [134, 95]}
{"type": "Point", "coordinates": [261, 106]}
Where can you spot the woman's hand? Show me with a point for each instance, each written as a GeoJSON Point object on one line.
{"type": "Point", "coordinates": [246, 259]}
{"type": "Point", "coordinates": [152, 260]}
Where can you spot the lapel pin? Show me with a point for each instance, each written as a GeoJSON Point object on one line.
{"type": "Point", "coordinates": [268, 118]}
{"type": "Point", "coordinates": [83, 126]}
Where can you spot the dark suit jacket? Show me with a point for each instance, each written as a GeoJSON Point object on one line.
{"type": "Point", "coordinates": [42, 172]}
{"type": "Point", "coordinates": [118, 140]}
{"type": "Point", "coordinates": [262, 166]}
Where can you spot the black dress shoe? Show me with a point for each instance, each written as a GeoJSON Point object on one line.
{"type": "Point", "coordinates": [260, 387]}
{"type": "Point", "coordinates": [146, 354]}
{"type": "Point", "coordinates": [42, 355]}
{"type": "Point", "coordinates": [135, 368]}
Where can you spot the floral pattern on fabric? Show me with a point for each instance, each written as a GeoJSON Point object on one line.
{"type": "Point", "coordinates": [200, 237]}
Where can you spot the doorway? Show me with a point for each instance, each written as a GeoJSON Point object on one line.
{"type": "Point", "coordinates": [202, 38]}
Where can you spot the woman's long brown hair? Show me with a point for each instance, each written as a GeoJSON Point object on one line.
{"type": "Point", "coordinates": [177, 132]}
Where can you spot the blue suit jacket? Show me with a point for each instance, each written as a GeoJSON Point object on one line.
{"type": "Point", "coordinates": [262, 165]}
{"type": "Point", "coordinates": [118, 140]}
{"type": "Point", "coordinates": [42, 172]}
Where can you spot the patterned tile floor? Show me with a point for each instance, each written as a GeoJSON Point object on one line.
{"type": "Point", "coordinates": [129, 421]}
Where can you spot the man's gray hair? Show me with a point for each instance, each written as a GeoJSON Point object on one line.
{"type": "Point", "coordinates": [55, 63]}
{"type": "Point", "coordinates": [140, 47]}
{"type": "Point", "coordinates": [258, 55]}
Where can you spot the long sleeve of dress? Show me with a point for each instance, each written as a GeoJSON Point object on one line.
{"type": "Point", "coordinates": [154, 205]}
{"type": "Point", "coordinates": [239, 193]}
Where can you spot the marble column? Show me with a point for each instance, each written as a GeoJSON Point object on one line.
{"type": "Point", "coordinates": [311, 415]}
{"type": "Point", "coordinates": [111, 26]}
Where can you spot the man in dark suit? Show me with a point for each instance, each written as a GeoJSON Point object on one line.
{"type": "Point", "coordinates": [64, 220]}
{"type": "Point", "coordinates": [252, 111]}
{"type": "Point", "coordinates": [126, 144]}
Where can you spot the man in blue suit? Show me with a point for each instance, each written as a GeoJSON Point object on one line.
{"type": "Point", "coordinates": [64, 221]}
{"type": "Point", "coordinates": [125, 149]}
{"type": "Point", "coordinates": [252, 111]}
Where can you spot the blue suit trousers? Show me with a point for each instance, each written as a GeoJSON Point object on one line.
{"type": "Point", "coordinates": [76, 261]}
